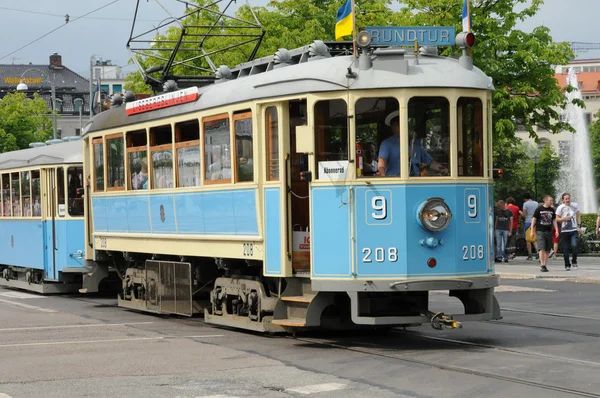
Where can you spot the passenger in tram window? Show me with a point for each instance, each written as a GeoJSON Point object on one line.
{"type": "Point", "coordinates": [74, 183]}
{"type": "Point", "coordinates": [16, 208]}
{"type": "Point", "coordinates": [370, 159]}
{"type": "Point", "coordinates": [6, 207]}
{"type": "Point", "coordinates": [26, 208]}
{"type": "Point", "coordinates": [139, 179]}
{"type": "Point", "coordinates": [37, 208]}
{"type": "Point", "coordinates": [389, 152]}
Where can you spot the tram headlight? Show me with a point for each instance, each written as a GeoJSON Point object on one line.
{"type": "Point", "coordinates": [435, 215]}
{"type": "Point", "coordinates": [363, 39]}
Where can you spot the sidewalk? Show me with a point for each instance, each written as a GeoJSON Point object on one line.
{"type": "Point", "coordinates": [520, 268]}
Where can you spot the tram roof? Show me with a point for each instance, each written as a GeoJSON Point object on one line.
{"type": "Point", "coordinates": [263, 79]}
{"type": "Point", "coordinates": [61, 153]}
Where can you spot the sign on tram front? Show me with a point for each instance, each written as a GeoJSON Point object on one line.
{"type": "Point", "coordinates": [407, 35]}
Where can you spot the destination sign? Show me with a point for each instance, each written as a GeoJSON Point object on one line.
{"type": "Point", "coordinates": [162, 101]}
{"type": "Point", "coordinates": [407, 35]}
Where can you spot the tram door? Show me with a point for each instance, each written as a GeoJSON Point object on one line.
{"type": "Point", "coordinates": [50, 224]}
{"type": "Point", "coordinates": [298, 193]}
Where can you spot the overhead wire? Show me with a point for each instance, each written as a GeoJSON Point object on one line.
{"type": "Point", "coordinates": [62, 16]}
{"type": "Point", "coordinates": [55, 29]}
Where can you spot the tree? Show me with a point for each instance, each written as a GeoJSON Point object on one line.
{"type": "Point", "coordinates": [548, 170]}
{"type": "Point", "coordinates": [594, 130]}
{"type": "Point", "coordinates": [23, 121]}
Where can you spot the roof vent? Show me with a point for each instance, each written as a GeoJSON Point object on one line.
{"type": "Point", "coordinates": [169, 85]}
{"type": "Point", "coordinates": [428, 50]}
{"type": "Point", "coordinates": [391, 59]}
{"type": "Point", "coordinates": [223, 73]}
{"type": "Point", "coordinates": [54, 141]}
{"type": "Point", "coordinates": [282, 57]}
{"type": "Point", "coordinates": [318, 50]}
{"type": "Point", "coordinates": [116, 100]}
{"type": "Point", "coordinates": [129, 96]}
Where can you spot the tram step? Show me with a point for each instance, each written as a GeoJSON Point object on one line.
{"type": "Point", "coordinates": [299, 299]}
{"type": "Point", "coordinates": [290, 322]}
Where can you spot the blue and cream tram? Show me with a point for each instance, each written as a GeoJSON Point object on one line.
{"type": "Point", "coordinates": [41, 218]}
{"type": "Point", "coordinates": [260, 200]}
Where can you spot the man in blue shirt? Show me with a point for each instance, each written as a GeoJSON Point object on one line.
{"type": "Point", "coordinates": [389, 152]}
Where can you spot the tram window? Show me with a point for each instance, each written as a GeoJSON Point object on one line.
{"type": "Point", "coordinates": [75, 199]}
{"type": "Point", "coordinates": [272, 129]}
{"type": "Point", "coordinates": [331, 135]}
{"type": "Point", "coordinates": [187, 144]}
{"type": "Point", "coordinates": [372, 130]}
{"type": "Point", "coordinates": [470, 137]}
{"type": "Point", "coordinates": [137, 156]}
{"type": "Point", "coordinates": [36, 201]}
{"type": "Point", "coordinates": [429, 136]}
{"type": "Point", "coordinates": [161, 151]}
{"type": "Point", "coordinates": [5, 194]}
{"type": "Point", "coordinates": [244, 159]}
{"type": "Point", "coordinates": [217, 155]}
{"type": "Point", "coordinates": [25, 194]}
{"type": "Point", "coordinates": [15, 192]}
{"type": "Point", "coordinates": [60, 191]}
{"type": "Point", "coordinates": [98, 164]}
{"type": "Point", "coordinates": [115, 155]}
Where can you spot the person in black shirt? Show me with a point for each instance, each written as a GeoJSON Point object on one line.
{"type": "Point", "coordinates": [504, 222]}
{"type": "Point", "coordinates": [544, 218]}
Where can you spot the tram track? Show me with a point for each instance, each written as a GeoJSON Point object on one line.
{"type": "Point", "coordinates": [557, 315]}
{"type": "Point", "coordinates": [452, 368]}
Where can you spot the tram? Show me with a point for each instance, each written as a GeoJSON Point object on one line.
{"type": "Point", "coordinates": [41, 218]}
{"type": "Point", "coordinates": [259, 200]}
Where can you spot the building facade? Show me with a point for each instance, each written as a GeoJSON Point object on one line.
{"type": "Point", "coordinates": [72, 90]}
{"type": "Point", "coordinates": [111, 76]}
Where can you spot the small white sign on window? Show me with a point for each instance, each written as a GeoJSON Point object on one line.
{"type": "Point", "coordinates": [61, 210]}
{"type": "Point", "coordinates": [333, 170]}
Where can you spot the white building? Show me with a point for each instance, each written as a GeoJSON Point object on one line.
{"type": "Point", "coordinates": [111, 76]}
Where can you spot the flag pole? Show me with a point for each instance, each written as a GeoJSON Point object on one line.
{"type": "Point", "coordinates": [353, 30]}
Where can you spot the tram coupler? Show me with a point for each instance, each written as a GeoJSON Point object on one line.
{"type": "Point", "coordinates": [440, 320]}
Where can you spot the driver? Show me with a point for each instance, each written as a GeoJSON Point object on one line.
{"type": "Point", "coordinates": [389, 152]}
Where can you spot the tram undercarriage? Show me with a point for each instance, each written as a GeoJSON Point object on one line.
{"type": "Point", "coordinates": [69, 280]}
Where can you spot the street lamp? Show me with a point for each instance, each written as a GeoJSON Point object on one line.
{"type": "Point", "coordinates": [535, 162]}
{"type": "Point", "coordinates": [23, 87]}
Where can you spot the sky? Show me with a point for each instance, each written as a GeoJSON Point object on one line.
{"type": "Point", "coordinates": [104, 31]}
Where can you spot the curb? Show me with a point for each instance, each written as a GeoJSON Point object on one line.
{"type": "Point", "coordinates": [561, 278]}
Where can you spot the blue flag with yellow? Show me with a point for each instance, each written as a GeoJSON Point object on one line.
{"type": "Point", "coordinates": [345, 21]}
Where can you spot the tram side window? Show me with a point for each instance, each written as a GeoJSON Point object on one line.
{"type": "Point", "coordinates": [137, 156]}
{"type": "Point", "coordinates": [244, 157]}
{"type": "Point", "coordinates": [98, 164]}
{"type": "Point", "coordinates": [375, 138]}
{"type": "Point", "coordinates": [36, 206]}
{"type": "Point", "coordinates": [217, 151]}
{"type": "Point", "coordinates": [331, 137]}
{"type": "Point", "coordinates": [272, 129]}
{"type": "Point", "coordinates": [470, 137]}
{"type": "Point", "coordinates": [115, 155]}
{"type": "Point", "coordinates": [161, 151]}
{"type": "Point", "coordinates": [187, 143]}
{"type": "Point", "coordinates": [60, 191]}
{"type": "Point", "coordinates": [15, 192]}
{"type": "Point", "coordinates": [5, 210]}
{"type": "Point", "coordinates": [25, 194]}
{"type": "Point", "coordinates": [429, 136]}
{"type": "Point", "coordinates": [74, 178]}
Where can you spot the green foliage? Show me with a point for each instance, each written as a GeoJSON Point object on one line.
{"type": "Point", "coordinates": [23, 121]}
{"type": "Point", "coordinates": [594, 131]}
{"type": "Point", "coordinates": [548, 169]}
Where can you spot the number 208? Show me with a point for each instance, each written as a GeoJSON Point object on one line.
{"type": "Point", "coordinates": [380, 255]}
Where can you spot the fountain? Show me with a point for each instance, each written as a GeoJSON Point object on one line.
{"type": "Point", "coordinates": [577, 173]}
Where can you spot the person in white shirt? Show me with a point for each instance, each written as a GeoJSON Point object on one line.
{"type": "Point", "coordinates": [569, 215]}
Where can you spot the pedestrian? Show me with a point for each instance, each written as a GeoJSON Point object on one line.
{"type": "Point", "coordinates": [503, 227]}
{"type": "Point", "coordinates": [570, 218]}
{"type": "Point", "coordinates": [544, 218]}
{"type": "Point", "coordinates": [512, 245]}
{"type": "Point", "coordinates": [555, 240]}
{"type": "Point", "coordinates": [528, 209]}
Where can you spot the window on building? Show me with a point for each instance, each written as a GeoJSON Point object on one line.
{"type": "Point", "coordinates": [98, 164]}
{"type": "Point", "coordinates": [187, 144]}
{"type": "Point", "coordinates": [331, 137]}
{"type": "Point", "coordinates": [36, 198]}
{"type": "Point", "coordinates": [244, 156]}
{"type": "Point", "coordinates": [15, 186]}
{"type": "Point", "coordinates": [25, 194]}
{"type": "Point", "coordinates": [272, 129]}
{"type": "Point", "coordinates": [97, 73]}
{"type": "Point", "coordinates": [117, 88]}
{"type": "Point", "coordinates": [375, 137]}
{"type": "Point", "coordinates": [115, 155]}
{"type": "Point", "coordinates": [161, 151]}
{"type": "Point", "coordinates": [470, 137]}
{"type": "Point", "coordinates": [137, 158]}
{"type": "Point", "coordinates": [217, 155]}
{"type": "Point", "coordinates": [588, 118]}
{"type": "Point", "coordinates": [428, 136]}
{"type": "Point", "coordinates": [74, 185]}
{"type": "Point", "coordinates": [60, 191]}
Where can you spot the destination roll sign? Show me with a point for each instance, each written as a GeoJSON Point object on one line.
{"type": "Point", "coordinates": [402, 36]}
